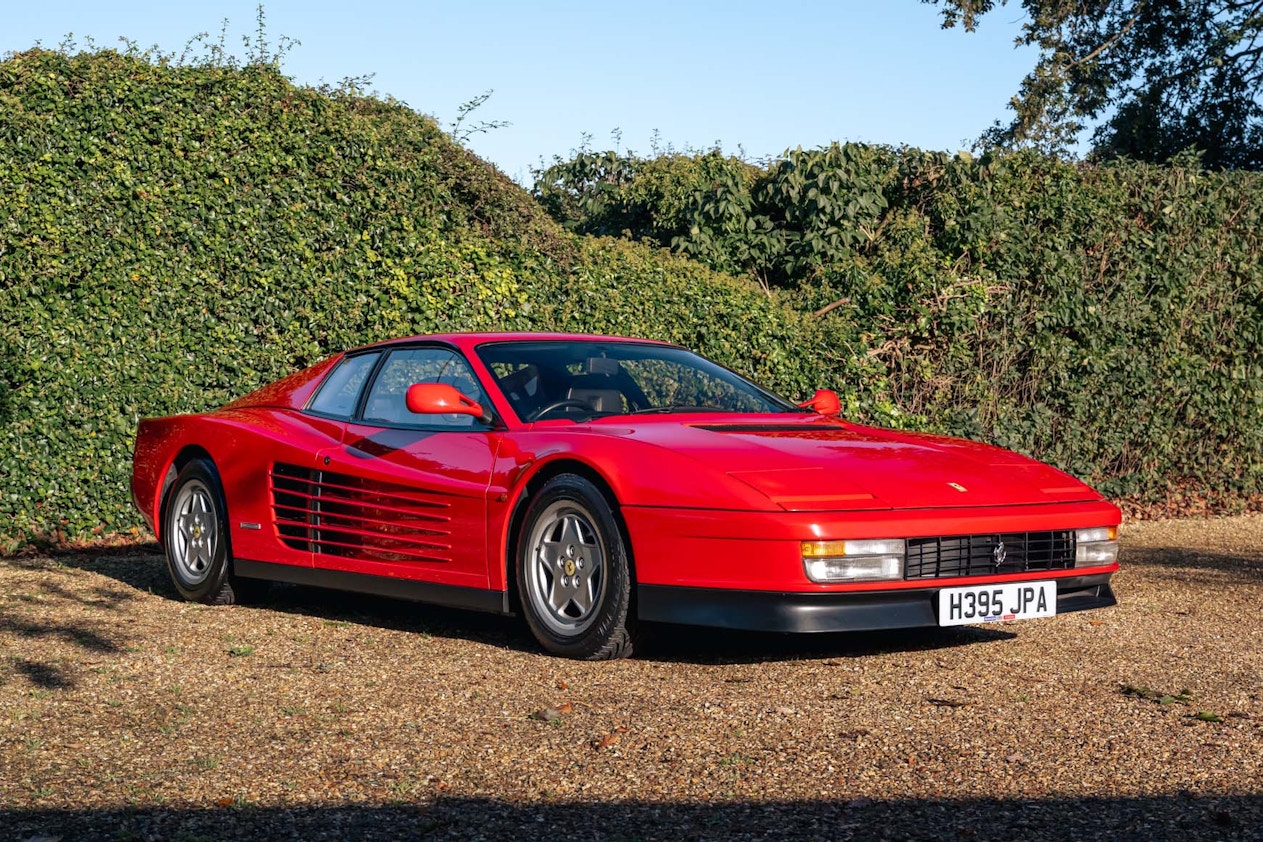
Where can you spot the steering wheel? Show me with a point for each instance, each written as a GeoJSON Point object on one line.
{"type": "Point", "coordinates": [568, 402]}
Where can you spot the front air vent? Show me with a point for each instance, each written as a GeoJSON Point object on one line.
{"type": "Point", "coordinates": [342, 515]}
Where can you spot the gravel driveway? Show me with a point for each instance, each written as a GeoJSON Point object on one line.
{"type": "Point", "coordinates": [126, 714]}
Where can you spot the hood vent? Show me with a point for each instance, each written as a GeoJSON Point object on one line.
{"type": "Point", "coordinates": [804, 431]}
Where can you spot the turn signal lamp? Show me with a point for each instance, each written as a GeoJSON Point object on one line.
{"type": "Point", "coordinates": [870, 560]}
{"type": "Point", "coordinates": [1095, 547]}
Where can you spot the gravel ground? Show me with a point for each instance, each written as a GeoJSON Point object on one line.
{"type": "Point", "coordinates": [127, 714]}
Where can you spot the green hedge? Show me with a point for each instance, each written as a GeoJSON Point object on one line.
{"type": "Point", "coordinates": [173, 237]}
{"type": "Point", "coordinates": [1126, 338]}
{"type": "Point", "coordinates": [1108, 319]}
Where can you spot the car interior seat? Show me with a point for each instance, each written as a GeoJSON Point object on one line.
{"type": "Point", "coordinates": [524, 389]}
{"type": "Point", "coordinates": [598, 385]}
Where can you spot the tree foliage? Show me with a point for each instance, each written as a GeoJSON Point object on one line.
{"type": "Point", "coordinates": [777, 224]}
{"type": "Point", "coordinates": [1152, 77]}
{"type": "Point", "coordinates": [1107, 318]}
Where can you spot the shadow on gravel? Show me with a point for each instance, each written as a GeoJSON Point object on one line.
{"type": "Point", "coordinates": [139, 566]}
{"type": "Point", "coordinates": [144, 569]}
{"type": "Point", "coordinates": [400, 615]}
{"type": "Point", "coordinates": [1232, 569]}
{"type": "Point", "coordinates": [1162, 817]}
{"type": "Point", "coordinates": [40, 616]}
{"type": "Point", "coordinates": [46, 676]}
{"type": "Point", "coordinates": [723, 646]}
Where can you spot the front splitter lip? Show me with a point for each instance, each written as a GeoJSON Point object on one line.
{"type": "Point", "coordinates": [815, 612]}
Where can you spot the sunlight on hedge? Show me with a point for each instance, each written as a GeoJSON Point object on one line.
{"type": "Point", "coordinates": [173, 237]}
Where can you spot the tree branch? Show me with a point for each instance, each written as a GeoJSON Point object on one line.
{"type": "Point", "coordinates": [1112, 41]}
{"type": "Point", "coordinates": [832, 306]}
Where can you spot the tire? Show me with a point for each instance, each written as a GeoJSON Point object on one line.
{"type": "Point", "coordinates": [573, 573]}
{"type": "Point", "coordinates": [195, 538]}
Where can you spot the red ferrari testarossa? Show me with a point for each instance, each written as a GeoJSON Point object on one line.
{"type": "Point", "coordinates": [595, 482]}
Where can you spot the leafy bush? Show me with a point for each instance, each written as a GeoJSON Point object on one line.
{"type": "Point", "coordinates": [173, 237]}
{"type": "Point", "coordinates": [1122, 341]}
{"type": "Point", "coordinates": [1103, 318]}
{"type": "Point", "coordinates": [608, 194]}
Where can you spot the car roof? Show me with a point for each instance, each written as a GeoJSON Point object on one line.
{"type": "Point", "coordinates": [468, 341]}
{"type": "Point", "coordinates": [294, 391]}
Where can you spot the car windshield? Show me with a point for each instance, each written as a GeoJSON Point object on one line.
{"type": "Point", "coordinates": [583, 379]}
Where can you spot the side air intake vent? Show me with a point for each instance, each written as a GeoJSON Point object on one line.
{"type": "Point", "coordinates": [336, 514]}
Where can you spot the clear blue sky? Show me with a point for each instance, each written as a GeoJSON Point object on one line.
{"type": "Point", "coordinates": [760, 76]}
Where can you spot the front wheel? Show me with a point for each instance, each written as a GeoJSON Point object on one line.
{"type": "Point", "coordinates": [573, 572]}
{"type": "Point", "coordinates": [195, 537]}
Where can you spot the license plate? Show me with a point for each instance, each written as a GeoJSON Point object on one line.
{"type": "Point", "coordinates": [996, 603]}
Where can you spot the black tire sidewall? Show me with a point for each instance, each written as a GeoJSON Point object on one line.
{"type": "Point", "coordinates": [210, 588]}
{"type": "Point", "coordinates": [612, 614]}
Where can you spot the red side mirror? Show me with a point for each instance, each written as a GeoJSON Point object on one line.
{"type": "Point", "coordinates": [442, 399]}
{"type": "Point", "coordinates": [825, 402]}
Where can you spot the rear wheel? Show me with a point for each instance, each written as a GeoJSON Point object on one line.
{"type": "Point", "coordinates": [195, 538]}
{"type": "Point", "coordinates": [573, 573]}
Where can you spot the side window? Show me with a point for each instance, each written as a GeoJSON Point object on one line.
{"type": "Point", "coordinates": [341, 390]}
{"type": "Point", "coordinates": [406, 366]}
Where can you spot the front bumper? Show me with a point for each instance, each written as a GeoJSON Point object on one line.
{"type": "Point", "coordinates": [762, 551]}
{"type": "Point", "coordinates": [872, 610]}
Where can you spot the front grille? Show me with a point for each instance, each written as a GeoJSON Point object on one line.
{"type": "Point", "coordinates": [976, 555]}
{"type": "Point", "coordinates": [353, 517]}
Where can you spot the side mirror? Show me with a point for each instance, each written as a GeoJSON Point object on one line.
{"type": "Point", "coordinates": [442, 399]}
{"type": "Point", "coordinates": [825, 402]}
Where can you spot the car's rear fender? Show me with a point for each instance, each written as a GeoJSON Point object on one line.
{"type": "Point", "coordinates": [159, 444]}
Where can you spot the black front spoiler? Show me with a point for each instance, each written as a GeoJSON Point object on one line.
{"type": "Point", "coordinates": [779, 611]}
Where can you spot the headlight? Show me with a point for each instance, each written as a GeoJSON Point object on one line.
{"type": "Point", "coordinates": [872, 560]}
{"type": "Point", "coordinates": [1095, 547]}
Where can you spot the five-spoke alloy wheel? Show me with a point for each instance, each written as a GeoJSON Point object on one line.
{"type": "Point", "coordinates": [195, 536]}
{"type": "Point", "coordinates": [573, 572]}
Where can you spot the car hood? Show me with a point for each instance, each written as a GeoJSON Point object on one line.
{"type": "Point", "coordinates": [818, 464]}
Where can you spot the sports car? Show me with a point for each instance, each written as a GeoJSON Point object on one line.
{"type": "Point", "coordinates": [594, 483]}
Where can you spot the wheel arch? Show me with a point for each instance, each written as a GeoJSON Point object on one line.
{"type": "Point", "coordinates": [528, 490]}
{"type": "Point", "coordinates": [186, 455]}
